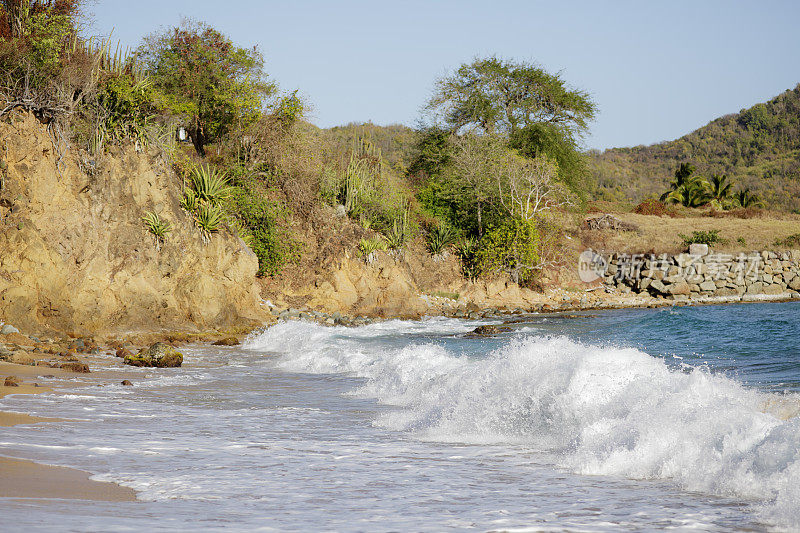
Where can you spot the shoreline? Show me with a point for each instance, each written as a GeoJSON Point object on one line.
{"type": "Point", "coordinates": [570, 303]}
{"type": "Point", "coordinates": [23, 478]}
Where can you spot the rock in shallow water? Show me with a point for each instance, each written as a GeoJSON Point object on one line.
{"type": "Point", "coordinates": [481, 331]}
{"type": "Point", "coordinates": [158, 355]}
{"type": "Point", "coordinates": [75, 366]}
{"type": "Point", "coordinates": [227, 341]}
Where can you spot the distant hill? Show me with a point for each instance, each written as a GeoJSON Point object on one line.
{"type": "Point", "coordinates": [757, 148]}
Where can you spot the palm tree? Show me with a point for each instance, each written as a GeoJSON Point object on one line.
{"type": "Point", "coordinates": [687, 189]}
{"type": "Point", "coordinates": [682, 177]}
{"type": "Point", "coordinates": [692, 194]}
{"type": "Point", "coordinates": [747, 199]}
{"type": "Point", "coordinates": [719, 189]}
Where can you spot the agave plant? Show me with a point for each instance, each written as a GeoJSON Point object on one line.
{"type": "Point", "coordinates": [439, 237]}
{"type": "Point", "coordinates": [189, 201]}
{"type": "Point", "coordinates": [210, 185]}
{"type": "Point", "coordinates": [209, 218]}
{"type": "Point", "coordinates": [159, 228]}
{"type": "Point", "coordinates": [397, 236]}
{"type": "Point", "coordinates": [368, 247]}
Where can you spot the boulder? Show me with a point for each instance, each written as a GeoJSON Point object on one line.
{"type": "Point", "coordinates": [773, 290]}
{"type": "Point", "coordinates": [726, 291]}
{"type": "Point", "coordinates": [159, 355]}
{"type": "Point", "coordinates": [7, 329]}
{"type": "Point", "coordinates": [126, 383]}
{"type": "Point", "coordinates": [75, 366]}
{"type": "Point", "coordinates": [12, 381]}
{"type": "Point", "coordinates": [684, 260]}
{"type": "Point", "coordinates": [228, 341]}
{"type": "Point", "coordinates": [123, 352]}
{"type": "Point", "coordinates": [680, 288]}
{"type": "Point", "coordinates": [481, 331]}
{"type": "Point", "coordinates": [658, 286]}
{"type": "Point", "coordinates": [755, 288]}
{"type": "Point", "coordinates": [708, 286]}
{"type": "Point", "coordinates": [698, 249]}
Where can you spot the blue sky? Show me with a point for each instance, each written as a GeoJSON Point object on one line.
{"type": "Point", "coordinates": [657, 70]}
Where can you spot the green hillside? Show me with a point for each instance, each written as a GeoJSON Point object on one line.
{"type": "Point", "coordinates": [757, 148]}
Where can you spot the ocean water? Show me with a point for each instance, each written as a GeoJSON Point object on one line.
{"type": "Point", "coordinates": [633, 420]}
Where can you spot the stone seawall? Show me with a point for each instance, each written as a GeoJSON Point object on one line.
{"type": "Point", "coordinates": [704, 274]}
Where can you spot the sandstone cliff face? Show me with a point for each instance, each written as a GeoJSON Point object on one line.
{"type": "Point", "coordinates": [406, 285]}
{"type": "Point", "coordinates": [75, 255]}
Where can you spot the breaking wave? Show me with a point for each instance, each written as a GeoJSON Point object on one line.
{"type": "Point", "coordinates": [595, 410]}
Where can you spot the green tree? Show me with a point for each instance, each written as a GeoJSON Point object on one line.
{"type": "Point", "coordinates": [214, 84]}
{"type": "Point", "coordinates": [747, 199]}
{"type": "Point", "coordinates": [469, 181]}
{"type": "Point", "coordinates": [496, 95]}
{"type": "Point", "coordinates": [433, 152]}
{"type": "Point", "coordinates": [687, 188]}
{"type": "Point", "coordinates": [556, 143]}
{"type": "Point", "coordinates": [720, 191]}
{"type": "Point", "coordinates": [39, 30]}
{"type": "Point", "coordinates": [538, 112]}
{"type": "Point", "coordinates": [511, 247]}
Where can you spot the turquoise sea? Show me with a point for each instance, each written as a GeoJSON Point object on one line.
{"type": "Point", "coordinates": [630, 420]}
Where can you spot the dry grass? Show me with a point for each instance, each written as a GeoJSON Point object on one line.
{"type": "Point", "coordinates": [661, 234]}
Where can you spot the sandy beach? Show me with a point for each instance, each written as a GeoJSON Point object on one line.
{"type": "Point", "coordinates": [21, 478]}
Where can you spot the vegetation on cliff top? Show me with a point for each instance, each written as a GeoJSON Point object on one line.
{"type": "Point", "coordinates": [498, 156]}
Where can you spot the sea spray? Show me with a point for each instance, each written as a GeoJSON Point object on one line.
{"type": "Point", "coordinates": [598, 410]}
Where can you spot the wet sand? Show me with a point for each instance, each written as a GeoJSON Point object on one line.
{"type": "Point", "coordinates": [25, 479]}
{"type": "Point", "coordinates": [20, 478]}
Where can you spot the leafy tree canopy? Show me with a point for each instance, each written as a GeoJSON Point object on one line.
{"type": "Point", "coordinates": [535, 110]}
{"type": "Point", "coordinates": [214, 84]}
{"type": "Point", "coordinates": [495, 95]}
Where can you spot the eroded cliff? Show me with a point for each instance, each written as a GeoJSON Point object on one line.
{"type": "Point", "coordinates": [76, 257]}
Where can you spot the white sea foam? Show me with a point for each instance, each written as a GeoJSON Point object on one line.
{"type": "Point", "coordinates": [600, 410]}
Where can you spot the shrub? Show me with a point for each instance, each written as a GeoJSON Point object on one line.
{"type": "Point", "coordinates": [741, 241]}
{"type": "Point", "coordinates": [792, 241]}
{"type": "Point", "coordinates": [439, 237]}
{"type": "Point", "coordinates": [128, 104]}
{"type": "Point", "coordinates": [653, 207]}
{"type": "Point", "coordinates": [511, 247]}
{"type": "Point", "coordinates": [445, 294]}
{"type": "Point", "coordinates": [710, 237]}
{"type": "Point", "coordinates": [257, 218]}
{"type": "Point", "coordinates": [466, 250]}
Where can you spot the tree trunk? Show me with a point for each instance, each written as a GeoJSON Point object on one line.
{"type": "Point", "coordinates": [480, 222]}
{"type": "Point", "coordinates": [195, 131]}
